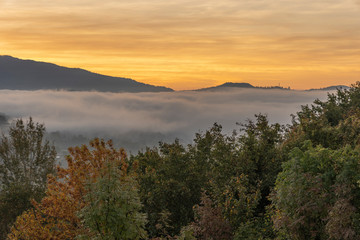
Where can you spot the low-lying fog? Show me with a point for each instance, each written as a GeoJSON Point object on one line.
{"type": "Point", "coordinates": [136, 120]}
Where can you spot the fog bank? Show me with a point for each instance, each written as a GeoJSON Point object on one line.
{"type": "Point", "coordinates": [167, 115]}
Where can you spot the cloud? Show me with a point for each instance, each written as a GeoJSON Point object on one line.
{"type": "Point", "coordinates": [169, 42]}
{"type": "Point", "coordinates": [178, 114]}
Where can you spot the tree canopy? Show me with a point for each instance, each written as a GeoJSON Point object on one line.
{"type": "Point", "coordinates": [265, 181]}
{"type": "Point", "coordinates": [61, 214]}
{"type": "Point", "coordinates": [26, 158]}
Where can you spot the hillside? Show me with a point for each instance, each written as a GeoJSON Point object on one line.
{"type": "Point", "coordinates": [228, 85]}
{"type": "Point", "coordinates": [331, 88]}
{"type": "Point", "coordinates": [18, 74]}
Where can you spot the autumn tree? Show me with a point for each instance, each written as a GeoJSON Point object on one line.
{"type": "Point", "coordinates": [209, 221]}
{"type": "Point", "coordinates": [59, 214]}
{"type": "Point", "coordinates": [26, 159]}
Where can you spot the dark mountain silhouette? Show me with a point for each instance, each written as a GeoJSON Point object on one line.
{"type": "Point", "coordinates": [227, 85]}
{"type": "Point", "coordinates": [331, 88]}
{"type": "Point", "coordinates": [249, 86]}
{"type": "Point", "coordinates": [241, 85]}
{"type": "Point", "coordinates": [18, 74]}
{"type": "Point", "coordinates": [238, 85]}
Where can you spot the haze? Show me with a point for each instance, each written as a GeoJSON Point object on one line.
{"type": "Point", "coordinates": [161, 116]}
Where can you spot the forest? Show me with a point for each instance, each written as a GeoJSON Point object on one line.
{"type": "Point", "coordinates": [264, 181]}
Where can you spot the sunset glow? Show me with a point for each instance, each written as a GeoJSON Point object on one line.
{"type": "Point", "coordinates": [186, 44]}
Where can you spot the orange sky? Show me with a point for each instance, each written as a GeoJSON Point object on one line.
{"type": "Point", "coordinates": [187, 44]}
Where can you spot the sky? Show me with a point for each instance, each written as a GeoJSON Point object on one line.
{"type": "Point", "coordinates": [188, 44]}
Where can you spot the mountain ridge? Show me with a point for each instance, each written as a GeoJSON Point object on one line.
{"type": "Point", "coordinates": [330, 88]}
{"type": "Point", "coordinates": [27, 74]}
{"type": "Point", "coordinates": [227, 85]}
{"type": "Point", "coordinates": [20, 74]}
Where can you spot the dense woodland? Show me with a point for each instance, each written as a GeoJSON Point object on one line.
{"type": "Point", "coordinates": [265, 181]}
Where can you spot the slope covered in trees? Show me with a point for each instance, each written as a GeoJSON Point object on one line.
{"type": "Point", "coordinates": [265, 181]}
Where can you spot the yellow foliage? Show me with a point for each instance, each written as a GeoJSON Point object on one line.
{"type": "Point", "coordinates": [55, 216]}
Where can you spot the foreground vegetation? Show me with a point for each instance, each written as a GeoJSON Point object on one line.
{"type": "Point", "coordinates": [268, 181]}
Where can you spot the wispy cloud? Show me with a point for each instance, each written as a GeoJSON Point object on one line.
{"type": "Point", "coordinates": [203, 42]}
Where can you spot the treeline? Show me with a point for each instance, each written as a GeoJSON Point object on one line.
{"type": "Point", "coordinates": [266, 181]}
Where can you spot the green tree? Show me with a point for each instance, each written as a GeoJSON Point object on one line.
{"type": "Point", "coordinates": [26, 159]}
{"type": "Point", "coordinates": [333, 123]}
{"type": "Point", "coordinates": [169, 188]}
{"type": "Point", "coordinates": [236, 171]}
{"type": "Point", "coordinates": [241, 171]}
{"type": "Point", "coordinates": [113, 207]}
{"type": "Point", "coordinates": [261, 158]}
{"type": "Point", "coordinates": [317, 195]}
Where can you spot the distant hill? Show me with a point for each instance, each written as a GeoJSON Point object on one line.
{"type": "Point", "coordinates": [238, 85]}
{"type": "Point", "coordinates": [249, 86]}
{"type": "Point", "coordinates": [18, 74]}
{"type": "Point", "coordinates": [331, 88]}
{"type": "Point", "coordinates": [227, 85]}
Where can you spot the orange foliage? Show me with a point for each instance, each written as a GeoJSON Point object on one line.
{"type": "Point", "coordinates": [55, 216]}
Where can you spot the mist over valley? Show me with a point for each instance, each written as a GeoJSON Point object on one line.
{"type": "Point", "coordinates": [77, 105]}
{"type": "Point", "coordinates": [137, 120]}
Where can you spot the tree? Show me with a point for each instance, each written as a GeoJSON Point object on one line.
{"type": "Point", "coordinates": [169, 188]}
{"type": "Point", "coordinates": [113, 207]}
{"type": "Point", "coordinates": [26, 159]}
{"type": "Point", "coordinates": [210, 222]}
{"type": "Point", "coordinates": [333, 123]}
{"type": "Point", "coordinates": [317, 194]}
{"type": "Point", "coordinates": [57, 215]}
{"type": "Point", "coordinates": [237, 171]}
{"type": "Point", "coordinates": [241, 169]}
{"type": "Point", "coordinates": [260, 156]}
